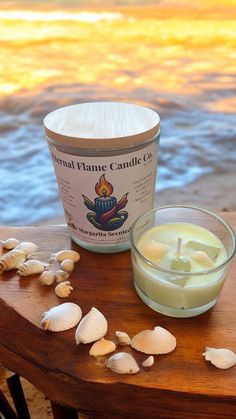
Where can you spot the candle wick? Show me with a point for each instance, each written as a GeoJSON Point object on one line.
{"type": "Point", "coordinates": [104, 193]}
{"type": "Point", "coordinates": [178, 250]}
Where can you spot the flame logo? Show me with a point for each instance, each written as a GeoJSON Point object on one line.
{"type": "Point", "coordinates": [103, 188]}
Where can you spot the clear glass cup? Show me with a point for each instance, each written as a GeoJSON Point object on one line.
{"type": "Point", "coordinates": [208, 248]}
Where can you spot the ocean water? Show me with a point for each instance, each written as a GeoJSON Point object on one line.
{"type": "Point", "coordinates": [180, 63]}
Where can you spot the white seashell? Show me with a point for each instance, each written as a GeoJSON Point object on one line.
{"type": "Point", "coordinates": [123, 338]}
{"type": "Point", "coordinates": [67, 254]}
{"type": "Point", "coordinates": [156, 341]}
{"type": "Point", "coordinates": [67, 265]}
{"type": "Point", "coordinates": [11, 260]}
{"type": "Point", "coordinates": [9, 244]}
{"type": "Point", "coordinates": [92, 327]}
{"type": "Point", "coordinates": [220, 358]}
{"type": "Point", "coordinates": [102, 347]}
{"type": "Point", "coordinates": [47, 277]}
{"type": "Point", "coordinates": [31, 267]}
{"type": "Point", "coordinates": [61, 276]}
{"type": "Point", "coordinates": [148, 362]}
{"type": "Point", "coordinates": [62, 317]}
{"type": "Point", "coordinates": [202, 258]}
{"type": "Point", "coordinates": [27, 247]}
{"type": "Point", "coordinates": [122, 363]}
{"type": "Point", "coordinates": [63, 289]}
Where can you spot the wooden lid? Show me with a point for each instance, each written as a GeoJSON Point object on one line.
{"type": "Point", "coordinates": [102, 125]}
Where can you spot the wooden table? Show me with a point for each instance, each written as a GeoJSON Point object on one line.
{"type": "Point", "coordinates": [179, 385]}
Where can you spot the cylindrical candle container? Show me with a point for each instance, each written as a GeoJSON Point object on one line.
{"type": "Point", "coordinates": [105, 158]}
{"type": "Point", "coordinates": [181, 257]}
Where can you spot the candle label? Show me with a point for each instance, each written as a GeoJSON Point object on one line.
{"type": "Point", "coordinates": [102, 196]}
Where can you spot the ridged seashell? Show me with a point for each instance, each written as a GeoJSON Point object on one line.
{"type": "Point", "coordinates": [92, 327]}
{"type": "Point", "coordinates": [63, 289]}
{"type": "Point", "coordinates": [220, 358]}
{"type": "Point", "coordinates": [9, 244]}
{"type": "Point", "coordinates": [102, 347]}
{"type": "Point", "coordinates": [27, 247]}
{"type": "Point", "coordinates": [47, 277]}
{"type": "Point", "coordinates": [148, 362]}
{"type": "Point", "coordinates": [123, 338]}
{"type": "Point", "coordinates": [122, 363]}
{"type": "Point", "coordinates": [67, 265]}
{"type": "Point", "coordinates": [31, 267]}
{"type": "Point", "coordinates": [11, 260]}
{"type": "Point", "coordinates": [61, 276]}
{"type": "Point", "coordinates": [202, 258]}
{"type": "Point", "coordinates": [156, 341]}
{"type": "Point", "coordinates": [62, 317]}
{"type": "Point", "coordinates": [67, 254]}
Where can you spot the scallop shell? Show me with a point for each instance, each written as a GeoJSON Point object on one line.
{"type": "Point", "coordinates": [61, 276]}
{"type": "Point", "coordinates": [63, 289]}
{"type": "Point", "coordinates": [122, 363]}
{"type": "Point", "coordinates": [31, 267]}
{"type": "Point", "coordinates": [11, 260]}
{"type": "Point", "coordinates": [148, 362]}
{"type": "Point", "coordinates": [27, 247]}
{"type": "Point", "coordinates": [47, 277]}
{"type": "Point", "coordinates": [67, 265]}
{"type": "Point", "coordinates": [10, 243]}
{"type": "Point", "coordinates": [102, 347]}
{"type": "Point", "coordinates": [67, 254]}
{"type": "Point", "coordinates": [156, 341]}
{"type": "Point", "coordinates": [220, 358]}
{"type": "Point", "coordinates": [92, 327]}
{"type": "Point", "coordinates": [123, 338]}
{"type": "Point", "coordinates": [62, 317]}
{"type": "Point", "coordinates": [202, 258]}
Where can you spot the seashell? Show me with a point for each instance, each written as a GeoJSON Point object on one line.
{"type": "Point", "coordinates": [156, 341]}
{"type": "Point", "coordinates": [9, 244]}
{"type": "Point", "coordinates": [122, 363]}
{"type": "Point", "coordinates": [67, 254]}
{"type": "Point", "coordinates": [154, 251]}
{"type": "Point", "coordinates": [102, 347]}
{"type": "Point", "coordinates": [123, 338]}
{"type": "Point", "coordinates": [47, 277]}
{"type": "Point", "coordinates": [31, 267]}
{"type": "Point", "coordinates": [11, 260]}
{"type": "Point", "coordinates": [67, 265]}
{"type": "Point", "coordinates": [27, 248]}
{"type": "Point", "coordinates": [63, 289]}
{"type": "Point", "coordinates": [220, 358]}
{"type": "Point", "coordinates": [62, 317]}
{"type": "Point", "coordinates": [148, 362]}
{"type": "Point", "coordinates": [92, 327]}
{"type": "Point", "coordinates": [61, 276]}
{"type": "Point", "coordinates": [202, 258]}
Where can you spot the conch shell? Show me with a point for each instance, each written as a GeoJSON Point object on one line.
{"type": "Point", "coordinates": [62, 317]}
{"type": "Point", "coordinates": [63, 289]}
{"type": "Point", "coordinates": [67, 254]}
{"type": "Point", "coordinates": [31, 267]}
{"type": "Point", "coordinates": [123, 338]}
{"type": "Point", "coordinates": [220, 358]}
{"type": "Point", "coordinates": [67, 265]}
{"type": "Point", "coordinates": [10, 243]}
{"type": "Point", "coordinates": [102, 347]}
{"type": "Point", "coordinates": [122, 363]}
{"type": "Point", "coordinates": [47, 277]}
{"type": "Point", "coordinates": [92, 327]}
{"type": "Point", "coordinates": [27, 247]}
{"type": "Point", "coordinates": [148, 362]}
{"type": "Point", "coordinates": [11, 260]}
{"type": "Point", "coordinates": [156, 341]}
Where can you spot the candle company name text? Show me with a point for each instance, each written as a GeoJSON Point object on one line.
{"type": "Point", "coordinates": [135, 161]}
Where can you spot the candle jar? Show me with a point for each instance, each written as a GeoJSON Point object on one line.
{"type": "Point", "coordinates": [181, 257]}
{"type": "Point", "coordinates": [105, 158]}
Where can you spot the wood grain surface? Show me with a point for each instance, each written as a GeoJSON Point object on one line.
{"type": "Point", "coordinates": [179, 385]}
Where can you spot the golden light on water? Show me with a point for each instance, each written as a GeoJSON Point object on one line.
{"type": "Point", "coordinates": [132, 49]}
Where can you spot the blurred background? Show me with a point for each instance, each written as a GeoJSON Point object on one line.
{"type": "Point", "coordinates": [177, 57]}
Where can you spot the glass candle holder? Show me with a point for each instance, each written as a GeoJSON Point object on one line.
{"type": "Point", "coordinates": [181, 256]}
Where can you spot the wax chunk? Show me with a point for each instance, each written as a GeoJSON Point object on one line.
{"type": "Point", "coordinates": [153, 250]}
{"type": "Point", "coordinates": [211, 251]}
{"type": "Point", "coordinates": [180, 264]}
{"type": "Point", "coordinates": [202, 258]}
